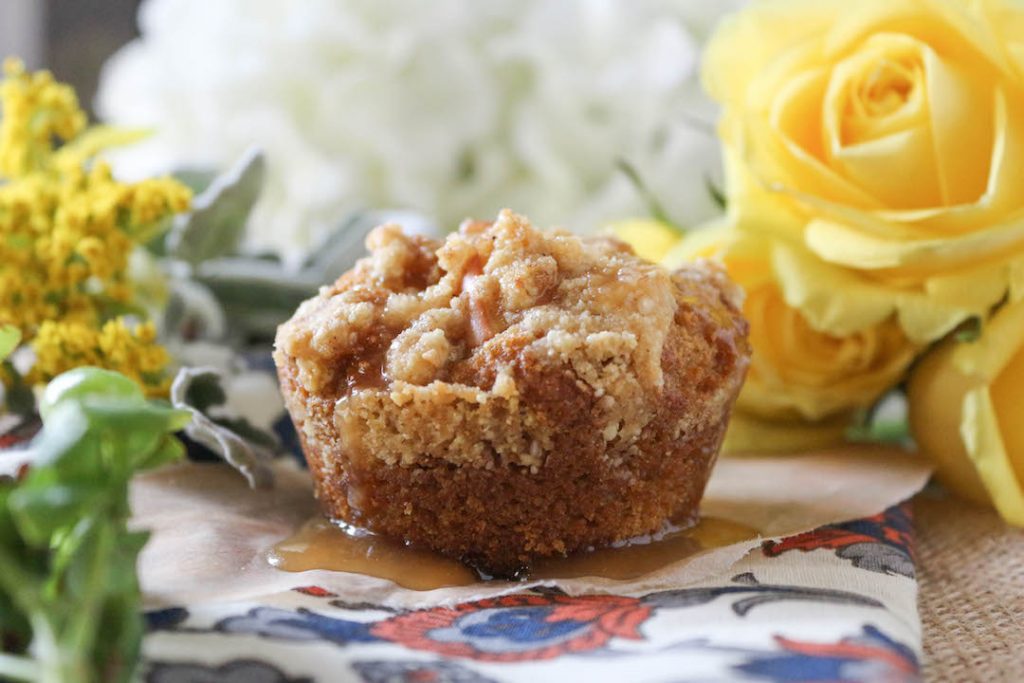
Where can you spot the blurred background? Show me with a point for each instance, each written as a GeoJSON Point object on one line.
{"type": "Point", "coordinates": [71, 37]}
{"type": "Point", "coordinates": [578, 113]}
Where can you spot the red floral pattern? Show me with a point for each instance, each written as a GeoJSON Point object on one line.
{"type": "Point", "coordinates": [545, 628]}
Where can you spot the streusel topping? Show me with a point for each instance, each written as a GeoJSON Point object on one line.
{"type": "Point", "coordinates": [447, 330]}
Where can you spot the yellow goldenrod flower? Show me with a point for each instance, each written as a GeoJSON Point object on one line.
{"type": "Point", "coordinates": [36, 109]}
{"type": "Point", "coordinates": [67, 231]}
{"type": "Point", "coordinates": [61, 346]}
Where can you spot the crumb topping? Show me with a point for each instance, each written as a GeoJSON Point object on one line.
{"type": "Point", "coordinates": [430, 305]}
{"type": "Point", "coordinates": [446, 329]}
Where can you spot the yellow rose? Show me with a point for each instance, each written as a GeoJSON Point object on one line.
{"type": "Point", "coordinates": [649, 238]}
{"type": "Point", "coordinates": [965, 400]}
{"type": "Point", "coordinates": [885, 138]}
{"type": "Point", "coordinates": [798, 374]}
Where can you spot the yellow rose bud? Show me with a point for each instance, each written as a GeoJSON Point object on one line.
{"type": "Point", "coordinates": [798, 374]}
{"type": "Point", "coordinates": [650, 239]}
{"type": "Point", "coordinates": [886, 139]}
{"type": "Point", "coordinates": [965, 400]}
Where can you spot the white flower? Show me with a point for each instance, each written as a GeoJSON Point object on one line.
{"type": "Point", "coordinates": [449, 107]}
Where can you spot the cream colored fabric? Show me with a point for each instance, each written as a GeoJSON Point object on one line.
{"type": "Point", "coordinates": [971, 572]}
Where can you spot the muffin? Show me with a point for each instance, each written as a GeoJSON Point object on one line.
{"type": "Point", "coordinates": [510, 393]}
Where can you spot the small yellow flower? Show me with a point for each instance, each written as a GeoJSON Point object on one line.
{"type": "Point", "coordinates": [67, 230]}
{"type": "Point", "coordinates": [134, 352]}
{"type": "Point", "coordinates": [35, 110]}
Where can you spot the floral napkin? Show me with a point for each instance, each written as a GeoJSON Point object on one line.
{"type": "Point", "coordinates": [834, 604]}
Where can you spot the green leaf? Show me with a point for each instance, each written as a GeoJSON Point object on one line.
{"type": "Point", "coordinates": [250, 432]}
{"type": "Point", "coordinates": [884, 422]}
{"type": "Point", "coordinates": [69, 596]}
{"type": "Point", "coordinates": [205, 391]}
{"type": "Point", "coordinates": [40, 511]}
{"type": "Point", "coordinates": [196, 179]}
{"type": "Point", "coordinates": [717, 195]}
{"type": "Point", "coordinates": [251, 459]}
{"type": "Point", "coordinates": [343, 246]}
{"type": "Point", "coordinates": [969, 330]}
{"type": "Point", "coordinates": [97, 138]}
{"type": "Point", "coordinates": [657, 210]}
{"type": "Point", "coordinates": [10, 337]}
{"type": "Point", "coordinates": [18, 396]}
{"type": "Point", "coordinates": [85, 382]}
{"type": "Point", "coordinates": [256, 295]}
{"type": "Point", "coordinates": [217, 221]}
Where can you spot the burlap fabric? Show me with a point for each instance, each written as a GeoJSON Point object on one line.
{"type": "Point", "coordinates": [971, 568]}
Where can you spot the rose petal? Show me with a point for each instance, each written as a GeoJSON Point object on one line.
{"type": "Point", "coordinates": [778, 163]}
{"type": "Point", "coordinates": [935, 394]}
{"type": "Point", "coordinates": [1004, 19]}
{"type": "Point", "coordinates": [765, 30]}
{"type": "Point", "coordinates": [1004, 191]}
{"type": "Point", "coordinates": [981, 434]}
{"type": "Point", "coordinates": [947, 27]}
{"type": "Point", "coordinates": [843, 301]}
{"type": "Point", "coordinates": [843, 244]}
{"type": "Point", "coordinates": [1003, 198]}
{"type": "Point", "coordinates": [797, 371]}
{"type": "Point", "coordinates": [963, 123]}
{"type": "Point", "coordinates": [878, 134]}
{"type": "Point", "coordinates": [797, 110]}
{"type": "Point", "coordinates": [852, 114]}
{"type": "Point", "coordinates": [898, 169]}
{"type": "Point", "coordinates": [980, 382]}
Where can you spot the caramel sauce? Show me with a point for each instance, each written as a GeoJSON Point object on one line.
{"type": "Point", "coordinates": [367, 375]}
{"type": "Point", "coordinates": [368, 371]}
{"type": "Point", "coordinates": [320, 544]}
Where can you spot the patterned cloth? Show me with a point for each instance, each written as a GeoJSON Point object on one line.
{"type": "Point", "coordinates": [835, 604]}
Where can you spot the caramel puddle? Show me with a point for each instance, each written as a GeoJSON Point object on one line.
{"type": "Point", "coordinates": [320, 544]}
{"type": "Point", "coordinates": [641, 556]}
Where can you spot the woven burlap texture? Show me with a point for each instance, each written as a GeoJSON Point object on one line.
{"type": "Point", "coordinates": [971, 592]}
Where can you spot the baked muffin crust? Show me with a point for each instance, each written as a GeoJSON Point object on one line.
{"type": "Point", "coordinates": [510, 392]}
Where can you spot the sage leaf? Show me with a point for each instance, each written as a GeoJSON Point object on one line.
{"type": "Point", "coordinates": [195, 387]}
{"type": "Point", "coordinates": [217, 221]}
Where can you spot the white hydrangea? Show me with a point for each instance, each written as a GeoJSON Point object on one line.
{"type": "Point", "coordinates": [450, 107]}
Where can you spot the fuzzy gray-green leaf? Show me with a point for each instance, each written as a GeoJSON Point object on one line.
{"type": "Point", "coordinates": [217, 221]}
{"type": "Point", "coordinates": [251, 459]}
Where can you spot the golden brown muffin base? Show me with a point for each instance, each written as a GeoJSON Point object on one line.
{"type": "Point", "coordinates": [525, 394]}
{"type": "Point", "coordinates": [497, 519]}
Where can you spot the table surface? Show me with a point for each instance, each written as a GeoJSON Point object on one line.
{"type": "Point", "coordinates": [971, 571]}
